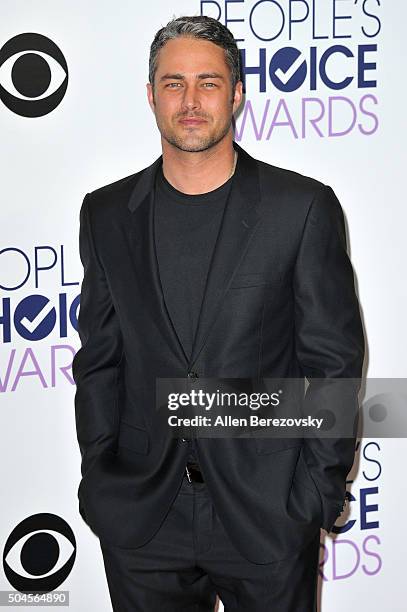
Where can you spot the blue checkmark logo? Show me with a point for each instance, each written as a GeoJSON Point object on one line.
{"type": "Point", "coordinates": [288, 69]}
{"type": "Point", "coordinates": [35, 317]}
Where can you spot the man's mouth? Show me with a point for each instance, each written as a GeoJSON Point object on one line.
{"type": "Point", "coordinates": [192, 121]}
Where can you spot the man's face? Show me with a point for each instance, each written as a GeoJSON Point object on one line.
{"type": "Point", "coordinates": [193, 100]}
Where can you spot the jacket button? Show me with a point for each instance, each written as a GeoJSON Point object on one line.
{"type": "Point", "coordinates": [192, 375]}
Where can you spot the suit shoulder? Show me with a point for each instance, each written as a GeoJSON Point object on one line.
{"type": "Point", "coordinates": [108, 203]}
{"type": "Point", "coordinates": [112, 192]}
{"type": "Point", "coordinates": [289, 183]}
{"type": "Point", "coordinates": [298, 196]}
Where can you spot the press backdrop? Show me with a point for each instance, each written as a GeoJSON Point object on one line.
{"type": "Point", "coordinates": [325, 96]}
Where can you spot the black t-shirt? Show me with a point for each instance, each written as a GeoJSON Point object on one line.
{"type": "Point", "coordinates": [186, 228]}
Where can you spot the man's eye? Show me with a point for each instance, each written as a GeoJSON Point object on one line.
{"type": "Point", "coordinates": [175, 85]}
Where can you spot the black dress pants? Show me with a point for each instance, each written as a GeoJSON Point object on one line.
{"type": "Point", "coordinates": [191, 559]}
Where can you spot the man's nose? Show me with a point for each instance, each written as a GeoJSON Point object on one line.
{"type": "Point", "coordinates": [190, 99]}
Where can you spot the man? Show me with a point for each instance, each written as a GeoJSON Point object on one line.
{"type": "Point", "coordinates": [209, 263]}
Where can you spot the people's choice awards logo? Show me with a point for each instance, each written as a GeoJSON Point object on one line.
{"type": "Point", "coordinates": [310, 68]}
{"type": "Point", "coordinates": [29, 310]}
{"type": "Point", "coordinates": [33, 75]}
{"type": "Point", "coordinates": [39, 553]}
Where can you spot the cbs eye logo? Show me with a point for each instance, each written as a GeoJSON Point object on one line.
{"type": "Point", "coordinates": [33, 75]}
{"type": "Point", "coordinates": [39, 553]}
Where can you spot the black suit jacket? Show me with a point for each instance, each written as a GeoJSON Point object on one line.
{"type": "Point", "coordinates": [279, 302]}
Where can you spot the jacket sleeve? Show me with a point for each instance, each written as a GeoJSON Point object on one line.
{"type": "Point", "coordinates": [329, 345]}
{"type": "Point", "coordinates": [95, 367]}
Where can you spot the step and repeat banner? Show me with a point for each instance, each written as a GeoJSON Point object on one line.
{"type": "Point", "coordinates": [324, 96]}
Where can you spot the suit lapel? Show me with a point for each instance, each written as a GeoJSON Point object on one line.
{"type": "Point", "coordinates": [144, 256]}
{"type": "Point", "coordinates": [239, 221]}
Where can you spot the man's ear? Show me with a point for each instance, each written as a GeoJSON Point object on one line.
{"type": "Point", "coordinates": [150, 96]}
{"type": "Point", "coordinates": [238, 96]}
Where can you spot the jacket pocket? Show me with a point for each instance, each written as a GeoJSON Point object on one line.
{"type": "Point", "coordinates": [303, 476]}
{"type": "Point", "coordinates": [249, 279]}
{"type": "Point", "coordinates": [266, 446]}
{"type": "Point", "coordinates": [133, 438]}
{"type": "Point", "coordinates": [304, 502]}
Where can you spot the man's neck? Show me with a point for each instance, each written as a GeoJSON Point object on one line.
{"type": "Point", "coordinates": [199, 172]}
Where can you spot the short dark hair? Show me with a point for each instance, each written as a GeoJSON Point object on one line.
{"type": "Point", "coordinates": [203, 27]}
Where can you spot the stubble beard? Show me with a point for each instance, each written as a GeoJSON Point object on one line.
{"type": "Point", "coordinates": [201, 143]}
